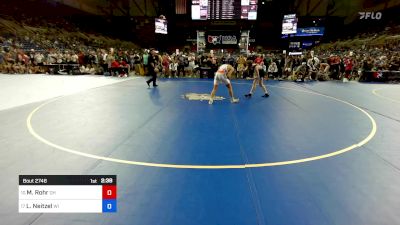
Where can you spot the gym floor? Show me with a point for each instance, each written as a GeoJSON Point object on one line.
{"type": "Point", "coordinates": [312, 153]}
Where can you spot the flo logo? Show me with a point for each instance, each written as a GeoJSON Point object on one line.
{"type": "Point", "coordinates": [214, 39]}
{"type": "Point", "coordinates": [370, 15]}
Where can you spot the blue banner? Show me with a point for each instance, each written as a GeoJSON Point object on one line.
{"type": "Point", "coordinates": [308, 31]}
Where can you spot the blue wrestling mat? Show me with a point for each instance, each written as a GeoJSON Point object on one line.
{"type": "Point", "coordinates": [312, 153]}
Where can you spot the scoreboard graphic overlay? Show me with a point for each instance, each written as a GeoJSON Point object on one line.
{"type": "Point", "coordinates": [224, 9]}
{"type": "Point", "coordinates": [67, 193]}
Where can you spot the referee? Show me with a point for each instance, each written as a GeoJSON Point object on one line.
{"type": "Point", "coordinates": [152, 62]}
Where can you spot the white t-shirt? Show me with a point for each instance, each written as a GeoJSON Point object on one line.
{"type": "Point", "coordinates": [223, 69]}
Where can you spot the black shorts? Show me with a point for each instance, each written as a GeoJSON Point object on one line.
{"type": "Point", "coordinates": [261, 72]}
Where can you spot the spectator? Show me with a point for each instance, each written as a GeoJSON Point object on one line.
{"type": "Point", "coordinates": [241, 61]}
{"type": "Point", "coordinates": [2, 57]}
{"type": "Point", "coordinates": [260, 61]}
{"type": "Point", "coordinates": [301, 72]}
{"type": "Point", "coordinates": [166, 60]}
{"type": "Point", "coordinates": [334, 63]}
{"type": "Point", "coordinates": [132, 61]}
{"type": "Point", "coordinates": [230, 60]}
{"type": "Point", "coordinates": [348, 65]}
{"type": "Point", "coordinates": [280, 62]}
{"type": "Point", "coordinates": [173, 67]}
{"type": "Point", "coordinates": [191, 64]}
{"type": "Point", "coordinates": [268, 60]}
{"type": "Point", "coordinates": [138, 65]}
{"type": "Point", "coordinates": [81, 58]}
{"type": "Point", "coordinates": [124, 68]}
{"type": "Point", "coordinates": [394, 63]}
{"type": "Point", "coordinates": [145, 61]}
{"type": "Point", "coordinates": [313, 66]}
{"type": "Point", "coordinates": [74, 58]}
{"type": "Point", "coordinates": [273, 70]}
{"type": "Point", "coordinates": [181, 64]}
{"type": "Point", "coordinates": [84, 70]}
{"type": "Point", "coordinates": [249, 70]}
{"type": "Point", "coordinates": [323, 72]}
{"type": "Point", "coordinates": [287, 70]}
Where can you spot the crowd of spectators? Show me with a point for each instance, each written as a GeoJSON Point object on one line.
{"type": "Point", "coordinates": [29, 46]}
{"type": "Point", "coordinates": [49, 49]}
{"type": "Point", "coordinates": [344, 64]}
{"type": "Point", "coordinates": [311, 65]}
{"type": "Point", "coordinates": [81, 60]}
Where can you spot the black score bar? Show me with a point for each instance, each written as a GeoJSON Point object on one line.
{"type": "Point", "coordinates": [67, 179]}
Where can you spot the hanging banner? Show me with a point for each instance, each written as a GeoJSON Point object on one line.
{"type": "Point", "coordinates": [222, 39]}
{"type": "Point", "coordinates": [310, 31]}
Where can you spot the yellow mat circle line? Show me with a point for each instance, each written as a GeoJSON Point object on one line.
{"type": "Point", "coordinates": [375, 92]}
{"type": "Point", "coordinates": [183, 166]}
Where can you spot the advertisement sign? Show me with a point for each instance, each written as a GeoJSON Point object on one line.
{"type": "Point", "coordinates": [295, 44]}
{"type": "Point", "coordinates": [307, 44]}
{"type": "Point", "coordinates": [199, 9]}
{"type": "Point", "coordinates": [161, 26]}
{"type": "Point", "coordinates": [310, 31]}
{"type": "Point", "coordinates": [222, 39]}
{"type": "Point", "coordinates": [195, 12]}
{"type": "Point", "coordinates": [289, 24]}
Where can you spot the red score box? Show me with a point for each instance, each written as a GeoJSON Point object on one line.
{"type": "Point", "coordinates": [109, 191]}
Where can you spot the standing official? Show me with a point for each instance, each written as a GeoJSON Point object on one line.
{"type": "Point", "coordinates": [152, 66]}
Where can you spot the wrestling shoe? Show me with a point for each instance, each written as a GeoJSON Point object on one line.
{"type": "Point", "coordinates": [234, 100]}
